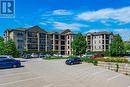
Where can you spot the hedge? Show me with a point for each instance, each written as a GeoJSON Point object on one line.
{"type": "Point", "coordinates": [118, 60]}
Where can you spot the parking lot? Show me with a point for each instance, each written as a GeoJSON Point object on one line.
{"type": "Point", "coordinates": [54, 73]}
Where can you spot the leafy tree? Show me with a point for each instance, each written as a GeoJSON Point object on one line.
{"type": "Point", "coordinates": [117, 46]}
{"type": "Point", "coordinates": [10, 48]}
{"type": "Point", "coordinates": [127, 46]}
{"type": "Point", "coordinates": [2, 46]}
{"type": "Point", "coordinates": [79, 44]}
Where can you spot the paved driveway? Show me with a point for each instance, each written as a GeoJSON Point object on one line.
{"type": "Point", "coordinates": [54, 73]}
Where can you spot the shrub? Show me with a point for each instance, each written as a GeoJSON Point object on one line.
{"type": "Point", "coordinates": [118, 60]}
{"type": "Point", "coordinates": [90, 60]}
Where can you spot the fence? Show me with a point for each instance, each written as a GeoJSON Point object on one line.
{"type": "Point", "coordinates": [118, 67]}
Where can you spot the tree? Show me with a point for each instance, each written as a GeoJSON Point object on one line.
{"type": "Point", "coordinates": [10, 48]}
{"type": "Point", "coordinates": [2, 46]}
{"type": "Point", "coordinates": [117, 46]}
{"type": "Point", "coordinates": [127, 46]}
{"type": "Point", "coordinates": [79, 44]}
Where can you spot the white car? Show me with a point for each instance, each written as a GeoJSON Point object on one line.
{"type": "Point", "coordinates": [34, 55]}
{"type": "Point", "coordinates": [56, 55]}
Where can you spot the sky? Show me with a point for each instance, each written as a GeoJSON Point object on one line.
{"type": "Point", "coordinates": [77, 15]}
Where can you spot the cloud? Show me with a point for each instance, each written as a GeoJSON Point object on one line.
{"type": "Point", "coordinates": [105, 22]}
{"type": "Point", "coordinates": [120, 15]}
{"type": "Point", "coordinates": [61, 12]}
{"type": "Point", "coordinates": [43, 23]}
{"type": "Point", "coordinates": [94, 30]}
{"type": "Point", "coordinates": [72, 26]}
{"type": "Point", "coordinates": [125, 33]}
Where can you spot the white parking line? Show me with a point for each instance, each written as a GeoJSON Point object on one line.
{"type": "Point", "coordinates": [14, 74]}
{"type": "Point", "coordinates": [99, 72]}
{"type": "Point", "coordinates": [47, 85]}
{"type": "Point", "coordinates": [114, 77]}
{"type": "Point", "coordinates": [19, 81]}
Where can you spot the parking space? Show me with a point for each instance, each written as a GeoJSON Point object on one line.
{"type": "Point", "coordinates": [54, 73]}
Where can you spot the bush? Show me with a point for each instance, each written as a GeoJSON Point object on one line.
{"type": "Point", "coordinates": [90, 60]}
{"type": "Point", "coordinates": [118, 60]}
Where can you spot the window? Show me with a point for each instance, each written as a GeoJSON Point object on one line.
{"type": "Point", "coordinates": [107, 36]}
{"type": "Point", "coordinates": [107, 47]}
{"type": "Point", "coordinates": [62, 52]}
{"type": "Point", "coordinates": [62, 37]}
{"type": "Point", "coordinates": [42, 47]}
{"type": "Point", "coordinates": [103, 36]}
{"type": "Point", "coordinates": [62, 47]}
{"type": "Point", "coordinates": [56, 47]}
{"type": "Point", "coordinates": [20, 46]}
{"type": "Point", "coordinates": [107, 41]}
{"type": "Point", "coordinates": [42, 35]}
{"type": "Point", "coordinates": [68, 42]}
{"type": "Point", "coordinates": [20, 41]}
{"type": "Point", "coordinates": [51, 41]}
{"type": "Point", "coordinates": [56, 36]}
{"type": "Point", "coordinates": [31, 34]}
{"type": "Point", "coordinates": [32, 40]}
{"type": "Point", "coordinates": [62, 42]}
{"type": "Point", "coordinates": [42, 41]}
{"type": "Point", "coordinates": [99, 41]}
{"type": "Point", "coordinates": [102, 41]}
{"type": "Point", "coordinates": [99, 47]}
{"type": "Point", "coordinates": [68, 37]}
{"type": "Point", "coordinates": [68, 52]}
{"type": "Point", "coordinates": [95, 41]}
{"type": "Point", "coordinates": [102, 46]}
{"type": "Point", "coordinates": [32, 46]}
{"type": "Point", "coordinates": [56, 42]}
{"type": "Point", "coordinates": [68, 47]}
{"type": "Point", "coordinates": [20, 33]}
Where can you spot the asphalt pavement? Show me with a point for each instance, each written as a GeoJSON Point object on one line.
{"type": "Point", "coordinates": [55, 73]}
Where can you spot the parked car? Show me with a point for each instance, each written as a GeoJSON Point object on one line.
{"type": "Point", "coordinates": [92, 55]}
{"type": "Point", "coordinates": [41, 55]}
{"type": "Point", "coordinates": [7, 62]}
{"type": "Point", "coordinates": [72, 61]}
{"type": "Point", "coordinates": [34, 55]}
{"type": "Point", "coordinates": [5, 57]}
{"type": "Point", "coordinates": [57, 55]}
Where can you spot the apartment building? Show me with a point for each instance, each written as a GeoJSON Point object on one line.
{"type": "Point", "coordinates": [99, 41]}
{"type": "Point", "coordinates": [38, 39]}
